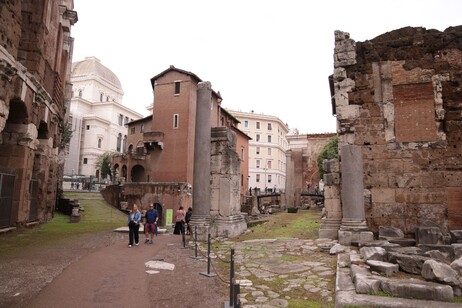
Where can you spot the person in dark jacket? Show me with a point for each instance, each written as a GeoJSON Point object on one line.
{"type": "Point", "coordinates": [150, 226]}
{"type": "Point", "coordinates": [188, 219]}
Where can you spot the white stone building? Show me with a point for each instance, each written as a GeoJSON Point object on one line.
{"type": "Point", "coordinates": [97, 117]}
{"type": "Point", "coordinates": [267, 149]}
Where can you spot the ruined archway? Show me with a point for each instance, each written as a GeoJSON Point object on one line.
{"type": "Point", "coordinates": [43, 130]}
{"type": "Point", "coordinates": [18, 112]}
{"type": "Point", "coordinates": [138, 174]}
{"type": "Point", "coordinates": [19, 138]}
{"type": "Point", "coordinates": [40, 173]}
{"type": "Point", "coordinates": [159, 210]}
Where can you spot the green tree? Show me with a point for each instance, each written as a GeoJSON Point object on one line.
{"type": "Point", "coordinates": [66, 134]}
{"type": "Point", "coordinates": [104, 164]}
{"type": "Point", "coordinates": [329, 151]}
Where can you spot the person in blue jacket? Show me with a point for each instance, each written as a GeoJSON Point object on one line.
{"type": "Point", "coordinates": [134, 219]}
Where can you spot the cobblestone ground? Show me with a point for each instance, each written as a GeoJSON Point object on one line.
{"type": "Point", "coordinates": [281, 272]}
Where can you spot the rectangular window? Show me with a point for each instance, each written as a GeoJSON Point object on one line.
{"type": "Point", "coordinates": [246, 124]}
{"type": "Point", "coordinates": [177, 87]}
{"type": "Point", "coordinates": [85, 161]}
{"type": "Point", "coordinates": [269, 151]}
{"type": "Point", "coordinates": [257, 150]}
{"type": "Point", "coordinates": [126, 120]}
{"type": "Point", "coordinates": [258, 137]}
{"type": "Point", "coordinates": [175, 120]}
{"type": "Point", "coordinates": [257, 125]}
{"type": "Point", "coordinates": [269, 178]}
{"type": "Point", "coordinates": [132, 130]}
{"type": "Point", "coordinates": [257, 163]}
{"type": "Point", "coordinates": [121, 119]}
{"type": "Point", "coordinates": [257, 178]}
{"type": "Point", "coordinates": [269, 164]}
{"type": "Point", "coordinates": [99, 143]}
{"type": "Point", "coordinates": [269, 126]}
{"type": "Point", "coordinates": [269, 138]}
{"type": "Point", "coordinates": [88, 127]}
{"type": "Point", "coordinates": [101, 97]}
{"type": "Point", "coordinates": [242, 153]}
{"type": "Point", "coordinates": [142, 128]}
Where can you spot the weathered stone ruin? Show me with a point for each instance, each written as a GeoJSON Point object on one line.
{"type": "Point", "coordinates": [35, 57]}
{"type": "Point", "coordinates": [397, 99]}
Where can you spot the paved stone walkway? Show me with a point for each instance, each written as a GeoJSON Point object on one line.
{"type": "Point", "coordinates": [282, 272]}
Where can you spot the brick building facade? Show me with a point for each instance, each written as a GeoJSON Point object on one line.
{"type": "Point", "coordinates": [35, 57]}
{"type": "Point", "coordinates": [161, 146]}
{"type": "Point", "coordinates": [398, 98]}
{"type": "Point", "coordinates": [304, 151]}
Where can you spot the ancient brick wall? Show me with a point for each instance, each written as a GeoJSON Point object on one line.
{"type": "Point", "coordinates": [35, 48]}
{"type": "Point", "coordinates": [399, 97]}
{"type": "Point", "coordinates": [168, 195]}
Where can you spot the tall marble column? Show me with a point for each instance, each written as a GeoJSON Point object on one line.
{"type": "Point", "coordinates": [353, 227]}
{"type": "Point", "coordinates": [202, 150]}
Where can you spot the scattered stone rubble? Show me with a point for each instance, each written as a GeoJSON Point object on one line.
{"type": "Point", "coordinates": [428, 268]}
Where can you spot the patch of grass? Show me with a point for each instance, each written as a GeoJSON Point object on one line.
{"type": "Point", "coordinates": [382, 293]}
{"type": "Point", "coordinates": [82, 195]}
{"type": "Point", "coordinates": [300, 303]}
{"type": "Point", "coordinates": [304, 225]}
{"type": "Point", "coordinates": [289, 258]}
{"type": "Point", "coordinates": [457, 299]}
{"type": "Point", "coordinates": [98, 216]}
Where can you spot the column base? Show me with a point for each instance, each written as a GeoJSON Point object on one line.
{"type": "Point", "coordinates": [230, 226]}
{"type": "Point", "coordinates": [353, 225]}
{"type": "Point", "coordinates": [329, 229]}
{"type": "Point", "coordinates": [353, 232]}
{"type": "Point", "coordinates": [201, 225]}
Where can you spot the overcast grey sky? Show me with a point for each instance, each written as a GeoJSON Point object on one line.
{"type": "Point", "coordinates": [272, 57]}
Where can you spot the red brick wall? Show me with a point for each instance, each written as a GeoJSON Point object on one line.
{"type": "Point", "coordinates": [414, 112]}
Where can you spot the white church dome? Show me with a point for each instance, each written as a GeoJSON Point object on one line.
{"type": "Point", "coordinates": [93, 66]}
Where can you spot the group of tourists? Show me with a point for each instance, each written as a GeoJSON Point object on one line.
{"type": "Point", "coordinates": [150, 225]}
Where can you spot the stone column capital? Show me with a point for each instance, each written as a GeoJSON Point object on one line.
{"type": "Point", "coordinates": [204, 85]}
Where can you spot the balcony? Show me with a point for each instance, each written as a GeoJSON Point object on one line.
{"type": "Point", "coordinates": [154, 137]}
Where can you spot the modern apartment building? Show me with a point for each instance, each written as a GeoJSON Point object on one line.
{"type": "Point", "coordinates": [267, 149]}
{"type": "Point", "coordinates": [97, 116]}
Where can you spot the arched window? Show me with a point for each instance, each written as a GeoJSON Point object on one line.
{"type": "Point", "coordinates": [119, 142]}
{"type": "Point", "coordinates": [99, 143]}
{"type": "Point", "coordinates": [124, 147]}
